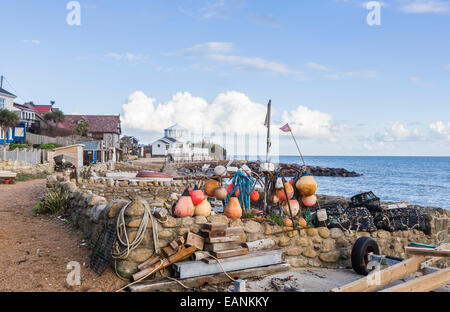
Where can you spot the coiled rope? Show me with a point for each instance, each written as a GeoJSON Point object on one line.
{"type": "Point", "coordinates": [243, 183]}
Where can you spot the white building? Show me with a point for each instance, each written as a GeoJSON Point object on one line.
{"type": "Point", "coordinates": [6, 102]}
{"type": "Point", "coordinates": [176, 145]}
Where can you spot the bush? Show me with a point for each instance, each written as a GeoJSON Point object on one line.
{"type": "Point", "coordinates": [49, 146]}
{"type": "Point", "coordinates": [13, 147]}
{"type": "Point", "coordinates": [54, 202]}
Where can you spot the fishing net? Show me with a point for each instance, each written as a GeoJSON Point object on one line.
{"type": "Point", "coordinates": [336, 217]}
{"type": "Point", "coordinates": [400, 219]}
{"type": "Point", "coordinates": [101, 256]}
{"type": "Point", "coordinates": [360, 219]}
{"type": "Point", "coordinates": [368, 200]}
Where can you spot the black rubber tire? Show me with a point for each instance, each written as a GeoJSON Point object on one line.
{"type": "Point", "coordinates": [363, 246]}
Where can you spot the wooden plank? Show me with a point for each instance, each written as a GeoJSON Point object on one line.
{"type": "Point", "coordinates": [195, 282]}
{"type": "Point", "coordinates": [225, 239]}
{"type": "Point", "coordinates": [182, 254]}
{"type": "Point", "coordinates": [427, 252]}
{"type": "Point", "coordinates": [215, 227]}
{"type": "Point", "coordinates": [424, 283]}
{"type": "Point", "coordinates": [195, 240]}
{"type": "Point", "coordinates": [190, 269]}
{"type": "Point", "coordinates": [235, 231]}
{"type": "Point", "coordinates": [247, 257]}
{"type": "Point", "coordinates": [388, 275]}
{"type": "Point", "coordinates": [149, 262]}
{"type": "Point", "coordinates": [230, 253]}
{"type": "Point", "coordinates": [222, 246]}
{"type": "Point", "coordinates": [213, 234]}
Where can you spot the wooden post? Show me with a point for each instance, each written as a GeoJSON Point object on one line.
{"type": "Point", "coordinates": [424, 283]}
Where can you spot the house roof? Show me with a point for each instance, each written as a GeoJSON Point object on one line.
{"type": "Point", "coordinates": [97, 123]}
{"type": "Point", "coordinates": [23, 107]}
{"type": "Point", "coordinates": [167, 140]}
{"type": "Point", "coordinates": [42, 109]}
{"type": "Point", "coordinates": [176, 127]}
{"type": "Point", "coordinates": [4, 92]}
{"type": "Point", "coordinates": [91, 145]}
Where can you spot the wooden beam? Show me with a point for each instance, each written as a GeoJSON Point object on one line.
{"type": "Point", "coordinates": [427, 252]}
{"type": "Point", "coordinates": [170, 285]}
{"type": "Point", "coordinates": [388, 275]}
{"type": "Point", "coordinates": [424, 283]}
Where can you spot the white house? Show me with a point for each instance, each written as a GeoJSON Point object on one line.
{"type": "Point", "coordinates": [6, 102]}
{"type": "Point", "coordinates": [176, 144]}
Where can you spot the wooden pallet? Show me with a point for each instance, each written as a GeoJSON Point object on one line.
{"type": "Point", "coordinates": [429, 282]}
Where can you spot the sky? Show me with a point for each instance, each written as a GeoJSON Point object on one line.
{"type": "Point", "coordinates": [344, 86]}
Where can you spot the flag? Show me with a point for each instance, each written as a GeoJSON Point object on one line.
{"type": "Point", "coordinates": [269, 113]}
{"type": "Point", "coordinates": [286, 128]}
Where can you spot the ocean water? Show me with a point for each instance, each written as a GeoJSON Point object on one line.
{"type": "Point", "coordinates": [421, 181]}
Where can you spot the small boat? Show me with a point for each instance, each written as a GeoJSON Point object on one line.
{"type": "Point", "coordinates": [153, 175]}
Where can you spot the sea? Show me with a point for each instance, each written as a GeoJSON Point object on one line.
{"type": "Point", "coordinates": [423, 181]}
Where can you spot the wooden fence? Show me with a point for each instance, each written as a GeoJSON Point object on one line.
{"type": "Point", "coordinates": [31, 156]}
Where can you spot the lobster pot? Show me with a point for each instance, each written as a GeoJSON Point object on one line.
{"type": "Point", "coordinates": [368, 200]}
{"type": "Point", "coordinates": [360, 219]}
{"type": "Point", "coordinates": [401, 219]}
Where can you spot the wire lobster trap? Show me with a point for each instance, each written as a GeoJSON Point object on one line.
{"type": "Point", "coordinates": [101, 256]}
{"type": "Point", "coordinates": [368, 200]}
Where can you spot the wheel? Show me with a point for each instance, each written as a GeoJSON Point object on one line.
{"type": "Point", "coordinates": [360, 254]}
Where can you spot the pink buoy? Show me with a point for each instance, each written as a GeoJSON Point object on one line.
{"type": "Point", "coordinates": [197, 196]}
{"type": "Point", "coordinates": [309, 201]}
{"type": "Point", "coordinates": [184, 207]}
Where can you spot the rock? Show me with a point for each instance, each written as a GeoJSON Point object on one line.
{"type": "Point", "coordinates": [123, 184]}
{"type": "Point", "coordinates": [187, 221]}
{"type": "Point", "coordinates": [315, 263]}
{"type": "Point", "coordinates": [292, 234]}
{"type": "Point", "coordinates": [304, 241]}
{"type": "Point", "coordinates": [252, 227]}
{"type": "Point", "coordinates": [251, 237]}
{"type": "Point", "coordinates": [284, 241]}
{"type": "Point", "coordinates": [297, 262]}
{"type": "Point", "coordinates": [330, 257]}
{"type": "Point", "coordinates": [166, 234]}
{"type": "Point", "coordinates": [218, 219]}
{"type": "Point", "coordinates": [183, 230]}
{"type": "Point", "coordinates": [317, 240]}
{"type": "Point", "coordinates": [363, 234]}
{"type": "Point", "coordinates": [126, 268]}
{"type": "Point", "coordinates": [136, 208]}
{"type": "Point", "coordinates": [383, 234]}
{"type": "Point", "coordinates": [324, 232]}
{"type": "Point", "coordinates": [200, 220]}
{"type": "Point", "coordinates": [312, 232]}
{"type": "Point", "coordinates": [336, 233]}
{"type": "Point", "coordinates": [136, 223]}
{"type": "Point", "coordinates": [309, 252]}
{"type": "Point", "coordinates": [267, 229]}
{"type": "Point", "coordinates": [171, 222]}
{"type": "Point", "coordinates": [95, 200]}
{"type": "Point", "coordinates": [342, 242]}
{"type": "Point", "coordinates": [114, 207]}
{"type": "Point", "coordinates": [294, 251]}
{"type": "Point", "coordinates": [236, 223]}
{"type": "Point", "coordinates": [328, 245]}
{"type": "Point", "coordinates": [140, 255]}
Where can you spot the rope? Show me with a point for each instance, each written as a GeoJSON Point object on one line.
{"type": "Point", "coordinates": [243, 183]}
{"type": "Point", "coordinates": [220, 263]}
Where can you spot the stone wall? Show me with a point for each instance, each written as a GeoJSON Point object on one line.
{"type": "Point", "coordinates": [18, 166]}
{"type": "Point", "coordinates": [95, 204]}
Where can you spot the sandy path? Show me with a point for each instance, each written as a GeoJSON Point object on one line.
{"type": "Point", "coordinates": [35, 251]}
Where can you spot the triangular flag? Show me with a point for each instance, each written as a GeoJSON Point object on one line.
{"type": "Point", "coordinates": [286, 128]}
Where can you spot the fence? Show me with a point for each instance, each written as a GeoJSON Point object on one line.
{"type": "Point", "coordinates": [30, 156]}
{"type": "Point", "coordinates": [64, 141]}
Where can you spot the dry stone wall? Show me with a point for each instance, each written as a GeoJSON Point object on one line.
{"type": "Point", "coordinates": [97, 202]}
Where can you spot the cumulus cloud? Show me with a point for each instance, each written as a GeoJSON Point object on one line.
{"type": "Point", "coordinates": [426, 6]}
{"type": "Point", "coordinates": [398, 132]}
{"type": "Point", "coordinates": [441, 129]}
{"type": "Point", "coordinates": [230, 112]}
{"type": "Point", "coordinates": [127, 56]}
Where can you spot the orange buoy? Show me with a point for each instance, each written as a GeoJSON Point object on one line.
{"type": "Point", "coordinates": [287, 222]}
{"type": "Point", "coordinates": [309, 201]}
{"type": "Point", "coordinates": [255, 196]}
{"type": "Point", "coordinates": [184, 207]}
{"type": "Point", "coordinates": [281, 194]}
{"type": "Point", "coordinates": [295, 208]}
{"type": "Point", "coordinates": [306, 185]}
{"type": "Point", "coordinates": [203, 209]}
{"type": "Point", "coordinates": [230, 189]}
{"type": "Point", "coordinates": [210, 187]}
{"type": "Point", "coordinates": [233, 209]}
{"type": "Point", "coordinates": [302, 222]}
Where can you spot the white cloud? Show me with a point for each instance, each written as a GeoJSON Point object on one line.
{"type": "Point", "coordinates": [36, 42]}
{"type": "Point", "coordinates": [209, 48]}
{"type": "Point", "coordinates": [316, 66]}
{"type": "Point", "coordinates": [254, 63]}
{"type": "Point", "coordinates": [442, 129]}
{"type": "Point", "coordinates": [426, 6]}
{"type": "Point", "coordinates": [264, 19]}
{"type": "Point", "coordinates": [398, 132]}
{"type": "Point", "coordinates": [115, 56]}
{"type": "Point", "coordinates": [309, 124]}
{"type": "Point", "coordinates": [382, 4]}
{"type": "Point", "coordinates": [231, 110]}
{"type": "Point", "coordinates": [447, 67]}
{"type": "Point", "coordinates": [128, 56]}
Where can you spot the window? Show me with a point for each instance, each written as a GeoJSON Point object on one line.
{"type": "Point", "coordinates": [2, 103]}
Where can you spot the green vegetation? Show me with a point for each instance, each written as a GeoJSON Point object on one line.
{"type": "Point", "coordinates": [56, 116]}
{"type": "Point", "coordinates": [49, 146]}
{"type": "Point", "coordinates": [23, 177]}
{"type": "Point", "coordinates": [83, 128]}
{"type": "Point", "coordinates": [276, 218]}
{"type": "Point", "coordinates": [13, 147]}
{"type": "Point", "coordinates": [54, 202]}
{"type": "Point", "coordinates": [8, 119]}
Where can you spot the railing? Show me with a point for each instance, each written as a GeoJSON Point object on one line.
{"type": "Point", "coordinates": [31, 156]}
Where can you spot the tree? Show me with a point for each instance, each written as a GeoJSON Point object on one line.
{"type": "Point", "coordinates": [83, 128]}
{"type": "Point", "coordinates": [56, 116]}
{"type": "Point", "coordinates": [8, 120]}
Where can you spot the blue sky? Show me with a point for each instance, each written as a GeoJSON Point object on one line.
{"type": "Point", "coordinates": [345, 87]}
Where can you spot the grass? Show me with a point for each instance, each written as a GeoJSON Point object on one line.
{"type": "Point", "coordinates": [54, 203]}
{"type": "Point", "coordinates": [23, 177]}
